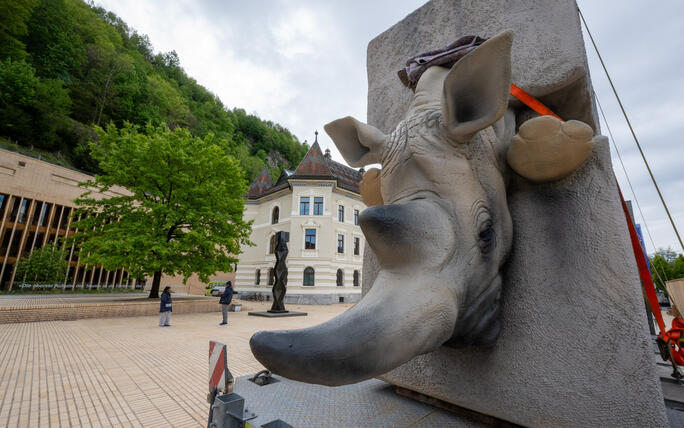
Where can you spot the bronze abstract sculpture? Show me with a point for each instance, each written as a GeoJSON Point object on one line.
{"type": "Point", "coordinates": [280, 273]}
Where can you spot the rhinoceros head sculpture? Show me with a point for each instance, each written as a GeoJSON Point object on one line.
{"type": "Point", "coordinates": [443, 231]}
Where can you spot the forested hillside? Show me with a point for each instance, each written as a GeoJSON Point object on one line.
{"type": "Point", "coordinates": [66, 66]}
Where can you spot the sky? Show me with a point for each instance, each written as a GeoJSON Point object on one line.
{"type": "Point", "coordinates": [302, 64]}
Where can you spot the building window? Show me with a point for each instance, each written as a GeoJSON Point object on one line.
{"type": "Point", "coordinates": [5, 241]}
{"type": "Point", "coordinates": [340, 213]}
{"type": "Point", "coordinates": [310, 239]}
{"type": "Point", "coordinates": [36, 213]}
{"type": "Point", "coordinates": [356, 217]}
{"type": "Point", "coordinates": [275, 216]}
{"type": "Point", "coordinates": [272, 245]}
{"type": "Point", "coordinates": [6, 276]}
{"type": "Point", "coordinates": [318, 206]}
{"type": "Point", "coordinates": [29, 241]}
{"type": "Point", "coordinates": [308, 276]}
{"type": "Point", "coordinates": [271, 276]}
{"type": "Point", "coordinates": [340, 278]}
{"type": "Point", "coordinates": [15, 209]}
{"type": "Point", "coordinates": [96, 276]}
{"type": "Point", "coordinates": [45, 215]}
{"type": "Point", "coordinates": [3, 204]}
{"type": "Point", "coordinates": [40, 237]}
{"type": "Point", "coordinates": [56, 216]}
{"type": "Point", "coordinates": [304, 205]}
{"type": "Point", "coordinates": [16, 240]}
{"type": "Point", "coordinates": [23, 211]}
{"type": "Point", "coordinates": [257, 280]}
{"type": "Point", "coordinates": [340, 244]}
{"type": "Point", "coordinates": [65, 218]}
{"type": "Point", "coordinates": [356, 278]}
{"type": "Point", "coordinates": [357, 245]}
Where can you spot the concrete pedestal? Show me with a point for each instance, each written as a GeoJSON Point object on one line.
{"type": "Point", "coordinates": [269, 314]}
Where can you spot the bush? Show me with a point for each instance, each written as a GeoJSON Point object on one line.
{"type": "Point", "coordinates": [43, 266]}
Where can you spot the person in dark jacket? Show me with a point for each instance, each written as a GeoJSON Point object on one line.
{"type": "Point", "coordinates": [225, 300]}
{"type": "Point", "coordinates": [165, 308]}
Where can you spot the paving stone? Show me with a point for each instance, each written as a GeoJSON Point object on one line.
{"type": "Point", "coordinates": [124, 371]}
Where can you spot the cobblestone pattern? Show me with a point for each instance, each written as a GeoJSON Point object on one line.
{"type": "Point", "coordinates": [125, 372]}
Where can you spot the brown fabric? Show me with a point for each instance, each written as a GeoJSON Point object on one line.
{"type": "Point", "coordinates": [446, 56]}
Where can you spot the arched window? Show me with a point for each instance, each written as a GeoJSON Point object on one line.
{"type": "Point", "coordinates": [356, 278]}
{"type": "Point", "coordinates": [272, 245]}
{"type": "Point", "coordinates": [275, 216]}
{"type": "Point", "coordinates": [258, 277]}
{"type": "Point", "coordinates": [308, 276]}
{"type": "Point", "coordinates": [271, 276]}
{"type": "Point", "coordinates": [340, 278]}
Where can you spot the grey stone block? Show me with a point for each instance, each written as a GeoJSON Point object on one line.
{"type": "Point", "coordinates": [548, 57]}
{"type": "Point", "coordinates": [574, 348]}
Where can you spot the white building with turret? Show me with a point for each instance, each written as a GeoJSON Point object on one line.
{"type": "Point", "coordinates": [319, 205]}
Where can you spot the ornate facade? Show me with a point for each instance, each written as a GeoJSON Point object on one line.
{"type": "Point", "coordinates": [318, 204]}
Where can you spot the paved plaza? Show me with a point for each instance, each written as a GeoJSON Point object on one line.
{"type": "Point", "coordinates": [125, 372]}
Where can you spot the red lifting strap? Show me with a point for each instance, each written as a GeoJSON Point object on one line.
{"type": "Point", "coordinates": [644, 273]}
{"type": "Point", "coordinates": [532, 102]}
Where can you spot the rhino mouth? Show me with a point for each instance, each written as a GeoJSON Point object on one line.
{"type": "Point", "coordinates": [478, 321]}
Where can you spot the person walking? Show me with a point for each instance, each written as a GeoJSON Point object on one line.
{"type": "Point", "coordinates": [165, 308]}
{"type": "Point", "coordinates": [225, 300]}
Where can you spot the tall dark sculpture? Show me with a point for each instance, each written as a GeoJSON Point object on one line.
{"type": "Point", "coordinates": [280, 284]}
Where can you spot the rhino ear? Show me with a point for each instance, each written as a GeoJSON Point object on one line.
{"type": "Point", "coordinates": [476, 89]}
{"type": "Point", "coordinates": [359, 144]}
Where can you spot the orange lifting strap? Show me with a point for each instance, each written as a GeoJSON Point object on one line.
{"type": "Point", "coordinates": [672, 337]}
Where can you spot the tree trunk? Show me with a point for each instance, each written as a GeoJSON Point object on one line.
{"type": "Point", "coordinates": [156, 280]}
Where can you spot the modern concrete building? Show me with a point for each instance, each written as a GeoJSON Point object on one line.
{"type": "Point", "coordinates": [36, 200]}
{"type": "Point", "coordinates": [319, 205]}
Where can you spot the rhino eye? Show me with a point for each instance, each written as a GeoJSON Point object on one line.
{"type": "Point", "coordinates": [486, 236]}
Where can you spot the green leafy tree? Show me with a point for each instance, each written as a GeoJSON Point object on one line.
{"type": "Point", "coordinates": [13, 17]}
{"type": "Point", "coordinates": [666, 265]}
{"type": "Point", "coordinates": [32, 110]}
{"type": "Point", "coordinates": [177, 209]}
{"type": "Point", "coordinates": [43, 266]}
